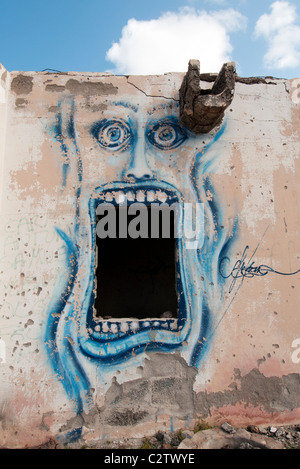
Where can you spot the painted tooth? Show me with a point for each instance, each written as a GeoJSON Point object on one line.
{"type": "Point", "coordinates": [131, 196]}
{"type": "Point", "coordinates": [146, 324]}
{"type": "Point", "coordinates": [97, 328]}
{"type": "Point", "coordinates": [156, 323]}
{"type": "Point", "coordinates": [173, 325]}
{"type": "Point", "coordinates": [134, 326]}
{"type": "Point", "coordinates": [120, 197]}
{"type": "Point", "coordinates": [108, 197]}
{"type": "Point", "coordinates": [150, 196]}
{"type": "Point", "coordinates": [162, 196]}
{"type": "Point", "coordinates": [114, 328]}
{"type": "Point", "coordinates": [124, 326]}
{"type": "Point", "coordinates": [140, 196]}
{"type": "Point", "coordinates": [105, 327]}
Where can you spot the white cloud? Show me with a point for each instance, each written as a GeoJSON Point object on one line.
{"type": "Point", "coordinates": [282, 34]}
{"type": "Point", "coordinates": [216, 2]}
{"type": "Point", "coordinates": [167, 44]}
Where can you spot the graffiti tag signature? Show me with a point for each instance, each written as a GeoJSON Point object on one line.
{"type": "Point", "coordinates": [247, 269]}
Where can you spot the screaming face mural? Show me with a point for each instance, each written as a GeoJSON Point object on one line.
{"type": "Point", "coordinates": [133, 150]}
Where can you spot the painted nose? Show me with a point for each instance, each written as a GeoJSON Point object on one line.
{"type": "Point", "coordinates": [139, 168]}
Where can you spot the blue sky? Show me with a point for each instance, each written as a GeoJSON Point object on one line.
{"type": "Point", "coordinates": [157, 36]}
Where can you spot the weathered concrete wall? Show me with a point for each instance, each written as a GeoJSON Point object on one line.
{"type": "Point", "coordinates": [67, 139]}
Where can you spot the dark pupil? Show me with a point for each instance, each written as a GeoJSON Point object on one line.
{"type": "Point", "coordinates": [114, 134]}
{"type": "Point", "coordinates": [166, 134]}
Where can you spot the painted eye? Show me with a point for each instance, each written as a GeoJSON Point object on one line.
{"type": "Point", "coordinates": [166, 135]}
{"type": "Point", "coordinates": [112, 134]}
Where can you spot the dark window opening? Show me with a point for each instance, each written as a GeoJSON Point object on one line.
{"type": "Point", "coordinates": [136, 277]}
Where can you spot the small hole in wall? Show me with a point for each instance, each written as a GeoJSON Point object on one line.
{"type": "Point", "coordinates": [136, 277]}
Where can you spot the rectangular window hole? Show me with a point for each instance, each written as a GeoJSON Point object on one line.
{"type": "Point", "coordinates": [136, 277]}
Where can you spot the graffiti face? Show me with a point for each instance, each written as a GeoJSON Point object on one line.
{"type": "Point", "coordinates": [133, 151]}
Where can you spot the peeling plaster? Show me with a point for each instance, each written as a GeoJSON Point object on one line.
{"type": "Point", "coordinates": [22, 84]}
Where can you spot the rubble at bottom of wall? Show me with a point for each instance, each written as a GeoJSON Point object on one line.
{"type": "Point", "coordinates": [203, 436]}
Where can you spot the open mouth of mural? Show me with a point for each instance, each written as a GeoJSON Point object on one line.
{"type": "Point", "coordinates": [139, 296]}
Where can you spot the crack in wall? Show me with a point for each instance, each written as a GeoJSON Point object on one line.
{"type": "Point", "coordinates": [150, 95]}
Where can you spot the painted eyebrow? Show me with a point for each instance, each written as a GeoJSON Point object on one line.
{"type": "Point", "coordinates": [150, 111]}
{"type": "Point", "coordinates": [126, 105]}
{"type": "Point", "coordinates": [160, 106]}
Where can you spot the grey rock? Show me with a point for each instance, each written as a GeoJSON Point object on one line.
{"type": "Point", "coordinates": [246, 445]}
{"type": "Point", "coordinates": [273, 430]}
{"type": "Point", "coordinates": [280, 432]}
{"type": "Point", "coordinates": [216, 438]}
{"type": "Point", "coordinates": [227, 428]}
{"type": "Point", "coordinates": [187, 434]}
{"type": "Point", "coordinates": [262, 430]}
